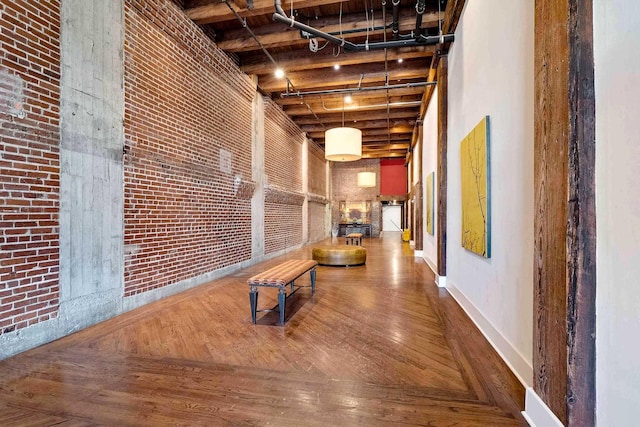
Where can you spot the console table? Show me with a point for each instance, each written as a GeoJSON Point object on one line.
{"type": "Point", "coordinates": [345, 229]}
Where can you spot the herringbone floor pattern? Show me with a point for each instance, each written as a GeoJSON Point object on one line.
{"type": "Point", "coordinates": [376, 345]}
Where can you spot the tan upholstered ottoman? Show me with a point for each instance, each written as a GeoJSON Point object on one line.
{"type": "Point", "coordinates": [339, 255]}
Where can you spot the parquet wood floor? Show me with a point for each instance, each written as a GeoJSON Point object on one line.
{"type": "Point", "coordinates": [377, 345]}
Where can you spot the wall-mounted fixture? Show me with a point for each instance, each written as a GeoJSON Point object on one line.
{"type": "Point", "coordinates": [343, 144]}
{"type": "Point", "coordinates": [366, 179]}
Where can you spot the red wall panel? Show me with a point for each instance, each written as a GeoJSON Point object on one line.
{"type": "Point", "coordinates": [393, 177]}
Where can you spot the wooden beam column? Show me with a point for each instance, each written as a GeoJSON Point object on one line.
{"type": "Point", "coordinates": [441, 176]}
{"type": "Point", "coordinates": [565, 232]}
{"type": "Point", "coordinates": [419, 211]}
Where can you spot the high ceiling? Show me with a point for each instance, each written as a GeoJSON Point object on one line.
{"type": "Point", "coordinates": [313, 92]}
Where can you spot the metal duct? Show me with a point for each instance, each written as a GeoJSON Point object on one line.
{"type": "Point", "coordinates": [420, 40]}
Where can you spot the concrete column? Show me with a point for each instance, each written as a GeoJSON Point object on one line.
{"type": "Point", "coordinates": [91, 161]}
{"type": "Point", "coordinates": [258, 177]}
{"type": "Point", "coordinates": [305, 189]}
{"type": "Point", "coordinates": [329, 196]}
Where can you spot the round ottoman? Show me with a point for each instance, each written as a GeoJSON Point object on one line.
{"type": "Point", "coordinates": [339, 255]}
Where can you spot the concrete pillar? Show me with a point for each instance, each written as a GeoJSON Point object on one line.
{"type": "Point", "coordinates": [258, 177]}
{"type": "Point", "coordinates": [91, 161]}
{"type": "Point", "coordinates": [305, 189]}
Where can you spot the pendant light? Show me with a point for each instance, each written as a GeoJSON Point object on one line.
{"type": "Point", "coordinates": [366, 179]}
{"type": "Point", "coordinates": [343, 144]}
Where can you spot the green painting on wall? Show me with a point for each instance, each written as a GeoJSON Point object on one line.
{"type": "Point", "coordinates": [429, 191]}
{"type": "Point", "coordinates": [476, 206]}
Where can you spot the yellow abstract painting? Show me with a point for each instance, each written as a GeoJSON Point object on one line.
{"type": "Point", "coordinates": [474, 164]}
{"type": "Point", "coordinates": [429, 191]}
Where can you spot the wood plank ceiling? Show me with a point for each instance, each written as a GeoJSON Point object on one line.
{"type": "Point", "coordinates": [400, 69]}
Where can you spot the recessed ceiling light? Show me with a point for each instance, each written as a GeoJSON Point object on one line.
{"type": "Point", "coordinates": [348, 99]}
{"type": "Point", "coordinates": [400, 60]}
{"type": "Point", "coordinates": [279, 73]}
{"type": "Point", "coordinates": [336, 66]}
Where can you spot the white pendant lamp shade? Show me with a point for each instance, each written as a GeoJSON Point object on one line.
{"type": "Point", "coordinates": [343, 144]}
{"type": "Point", "coordinates": [366, 179]}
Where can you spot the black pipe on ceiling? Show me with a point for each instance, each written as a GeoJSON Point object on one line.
{"type": "Point", "coordinates": [419, 40]}
{"type": "Point", "coordinates": [394, 22]}
{"type": "Point", "coordinates": [420, 8]}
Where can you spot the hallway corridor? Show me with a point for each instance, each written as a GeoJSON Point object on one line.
{"type": "Point", "coordinates": [376, 345]}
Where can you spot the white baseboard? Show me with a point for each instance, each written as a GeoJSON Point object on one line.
{"type": "Point", "coordinates": [441, 281]}
{"type": "Point", "coordinates": [431, 265]}
{"type": "Point", "coordinates": [512, 357]}
{"type": "Point", "coordinates": [537, 413]}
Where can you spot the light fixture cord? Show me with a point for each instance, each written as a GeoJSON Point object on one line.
{"type": "Point", "coordinates": [340, 21]}
{"type": "Point", "coordinates": [366, 14]}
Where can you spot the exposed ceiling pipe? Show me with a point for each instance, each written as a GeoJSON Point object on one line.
{"type": "Point", "coordinates": [266, 52]}
{"type": "Point", "coordinates": [394, 22]}
{"type": "Point", "coordinates": [357, 89]}
{"type": "Point", "coordinates": [305, 35]}
{"type": "Point", "coordinates": [421, 40]}
{"type": "Point", "coordinates": [367, 107]}
{"type": "Point", "coordinates": [420, 8]}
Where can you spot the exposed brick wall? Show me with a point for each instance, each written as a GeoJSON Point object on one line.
{"type": "Point", "coordinates": [184, 102]}
{"type": "Point", "coordinates": [345, 188]}
{"type": "Point", "coordinates": [283, 168]}
{"type": "Point", "coordinates": [317, 171]}
{"type": "Point", "coordinates": [283, 149]}
{"type": "Point", "coordinates": [282, 226]}
{"type": "Point", "coordinates": [319, 224]}
{"type": "Point", "coordinates": [318, 227]}
{"type": "Point", "coordinates": [29, 162]}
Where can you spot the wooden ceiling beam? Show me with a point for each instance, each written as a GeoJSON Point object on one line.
{"type": "Point", "coordinates": [358, 105]}
{"type": "Point", "coordinates": [406, 112]}
{"type": "Point", "coordinates": [377, 140]}
{"type": "Point", "coordinates": [377, 147]}
{"type": "Point", "coordinates": [368, 124]}
{"type": "Point", "coordinates": [383, 155]}
{"type": "Point", "coordinates": [219, 11]}
{"type": "Point", "coordinates": [359, 98]}
{"type": "Point", "coordinates": [401, 113]}
{"type": "Point", "coordinates": [369, 132]}
{"type": "Point", "coordinates": [309, 80]}
{"type": "Point", "coordinates": [304, 59]}
{"type": "Point", "coordinates": [278, 35]}
{"type": "Point", "coordinates": [382, 139]}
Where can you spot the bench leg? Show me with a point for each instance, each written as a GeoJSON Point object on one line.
{"type": "Point", "coordinates": [282, 299]}
{"type": "Point", "coordinates": [253, 300]}
{"type": "Point", "coordinates": [313, 281]}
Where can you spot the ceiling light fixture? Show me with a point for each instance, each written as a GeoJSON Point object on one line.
{"type": "Point", "coordinates": [279, 73]}
{"type": "Point", "coordinates": [400, 60]}
{"type": "Point", "coordinates": [343, 144]}
{"type": "Point", "coordinates": [366, 179]}
{"type": "Point", "coordinates": [336, 67]}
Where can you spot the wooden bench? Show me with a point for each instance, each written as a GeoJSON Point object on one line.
{"type": "Point", "coordinates": [279, 277]}
{"type": "Point", "coordinates": [354, 239]}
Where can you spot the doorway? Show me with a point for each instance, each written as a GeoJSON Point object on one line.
{"type": "Point", "coordinates": [391, 218]}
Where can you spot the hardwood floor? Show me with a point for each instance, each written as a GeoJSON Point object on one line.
{"type": "Point", "coordinates": [376, 345]}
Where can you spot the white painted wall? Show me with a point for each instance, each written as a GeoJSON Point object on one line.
{"type": "Point", "coordinates": [617, 82]}
{"type": "Point", "coordinates": [491, 72]}
{"type": "Point", "coordinates": [391, 218]}
{"type": "Point", "coordinates": [430, 164]}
